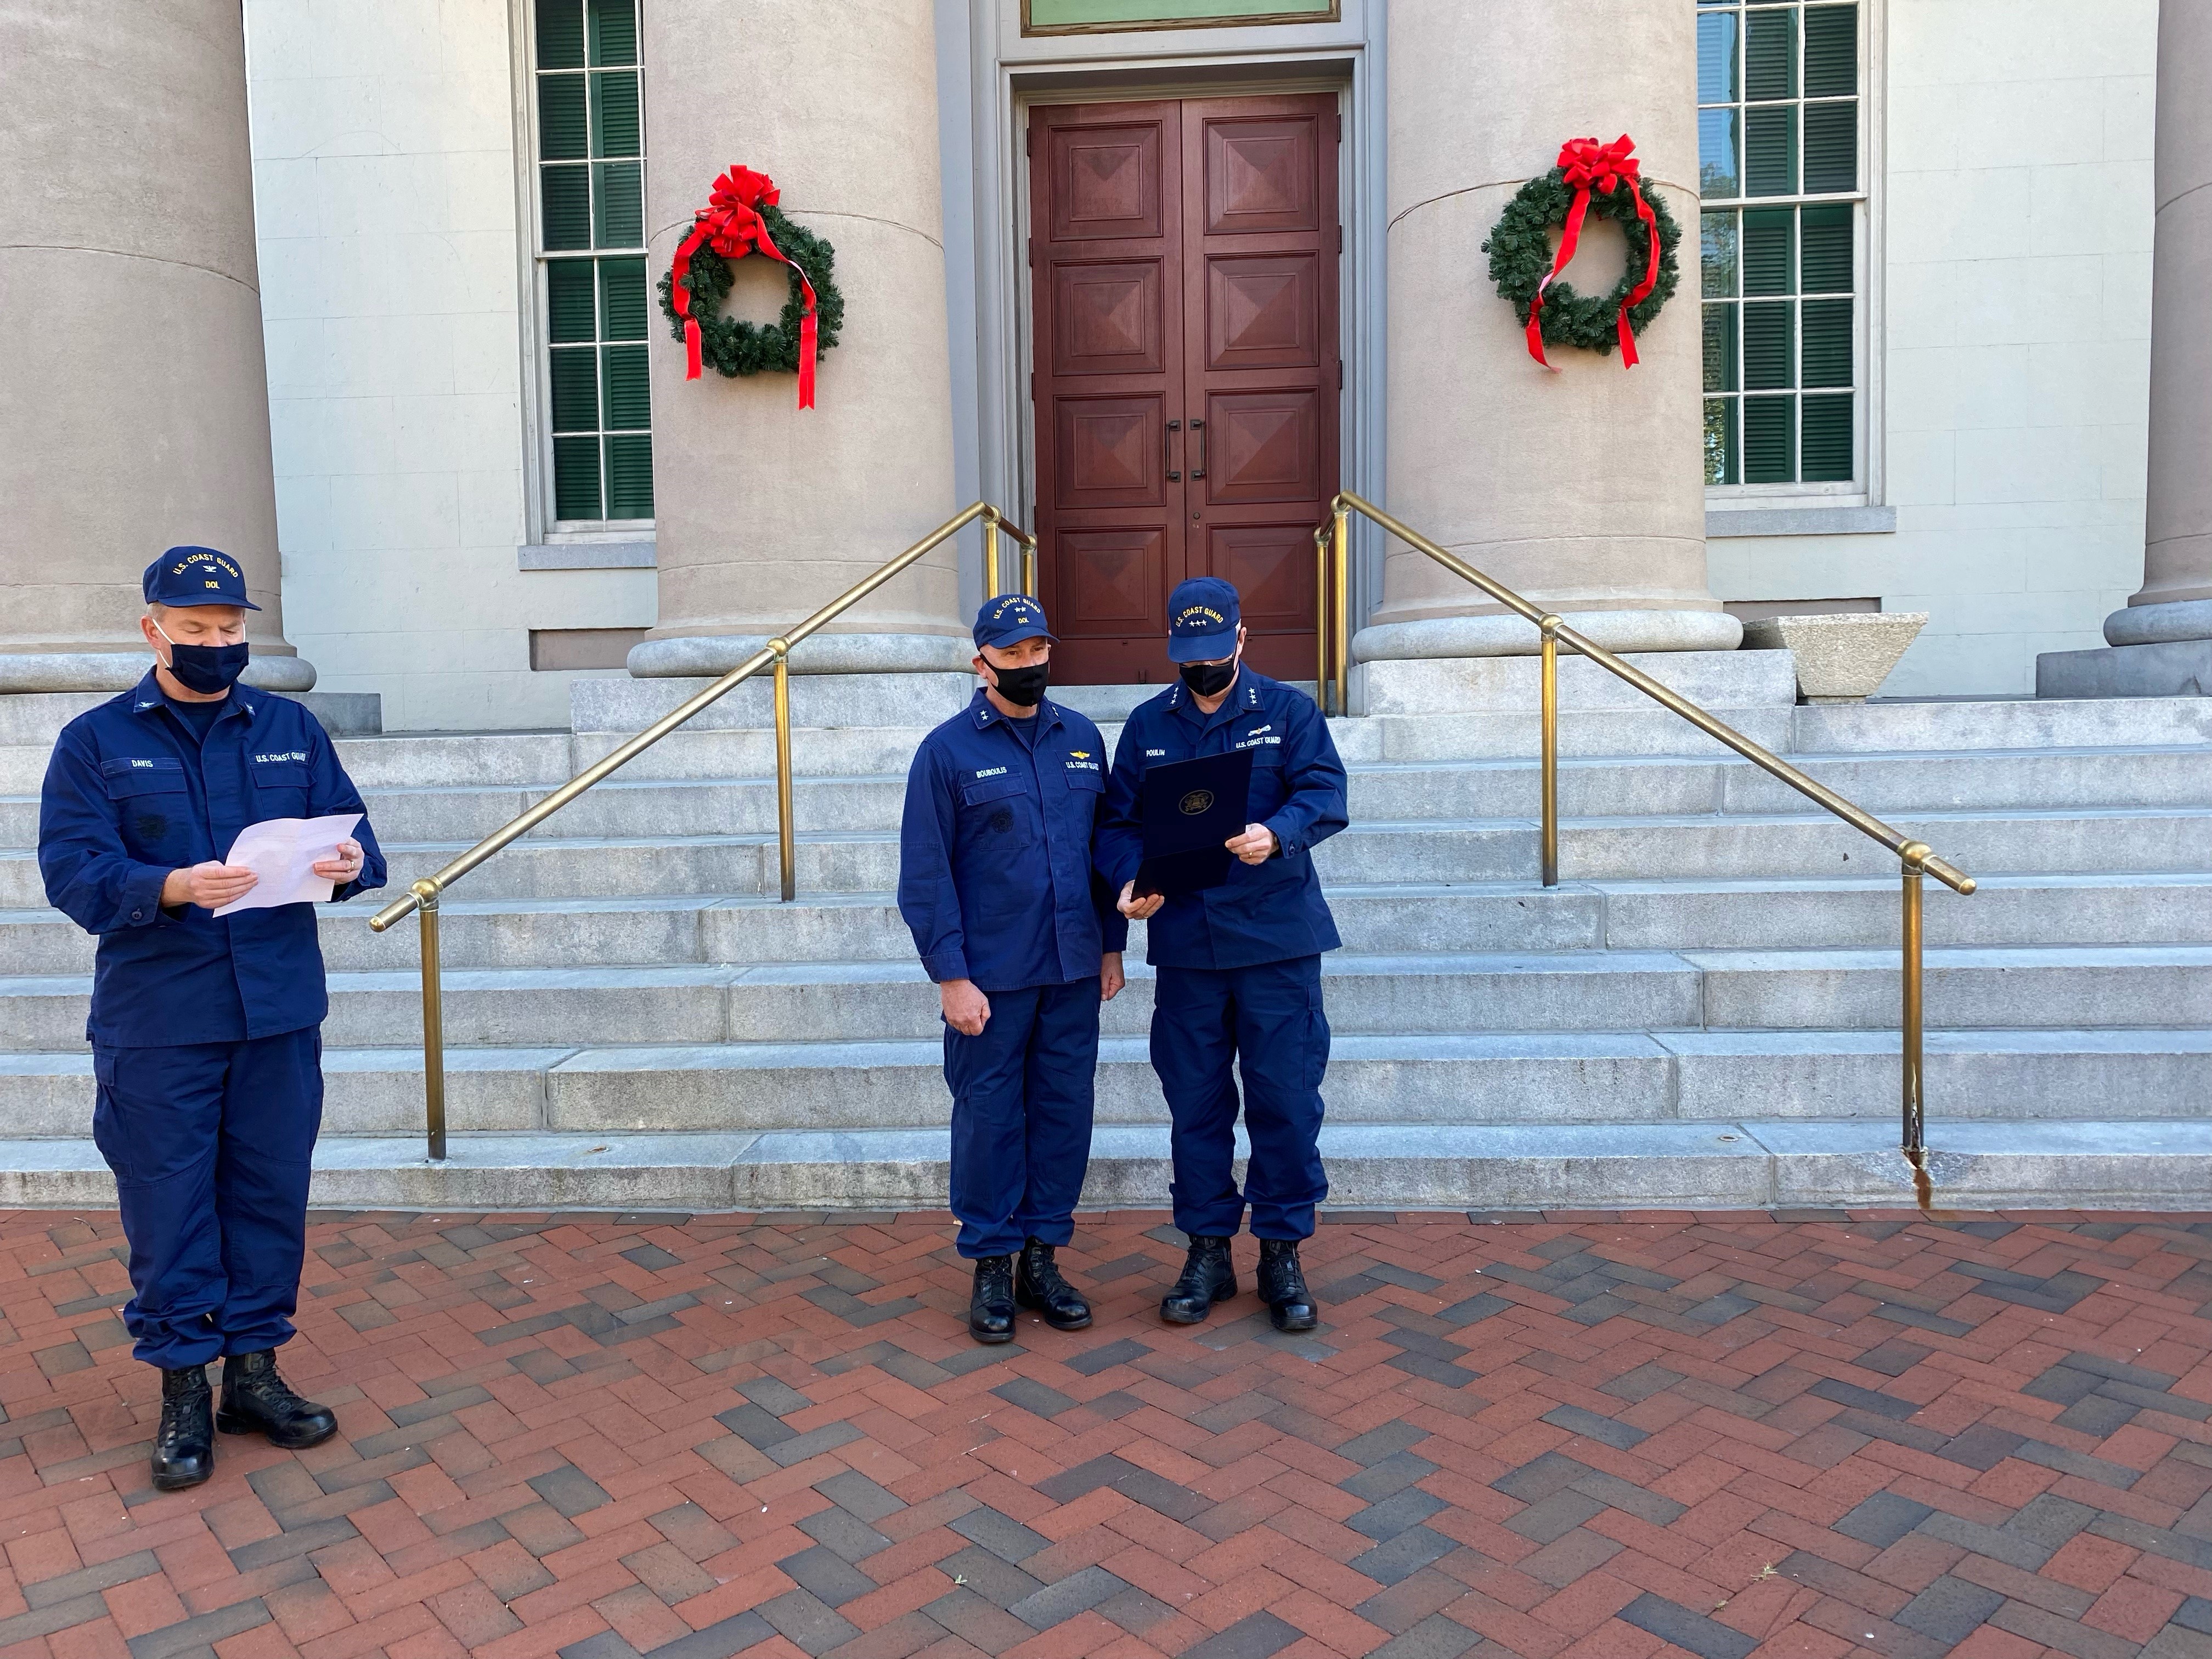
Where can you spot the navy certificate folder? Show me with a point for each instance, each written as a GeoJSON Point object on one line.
{"type": "Point", "coordinates": [1190, 808]}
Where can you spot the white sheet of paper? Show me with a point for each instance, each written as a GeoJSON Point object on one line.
{"type": "Point", "coordinates": [281, 852]}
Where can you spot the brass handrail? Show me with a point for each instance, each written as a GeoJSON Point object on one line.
{"type": "Point", "coordinates": [1914, 858]}
{"type": "Point", "coordinates": [423, 897]}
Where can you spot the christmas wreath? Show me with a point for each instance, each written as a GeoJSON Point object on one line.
{"type": "Point", "coordinates": [1589, 177]}
{"type": "Point", "coordinates": [742, 217]}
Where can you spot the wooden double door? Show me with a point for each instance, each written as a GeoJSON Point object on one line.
{"type": "Point", "coordinates": [1183, 262]}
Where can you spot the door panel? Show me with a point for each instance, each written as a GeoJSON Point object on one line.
{"type": "Point", "coordinates": [1263, 447]}
{"type": "Point", "coordinates": [1185, 283]}
{"type": "Point", "coordinates": [1107, 317]}
{"type": "Point", "coordinates": [1262, 311]}
{"type": "Point", "coordinates": [1262, 175]}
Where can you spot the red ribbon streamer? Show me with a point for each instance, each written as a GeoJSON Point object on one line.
{"type": "Point", "coordinates": [732, 226]}
{"type": "Point", "coordinates": [1589, 165]}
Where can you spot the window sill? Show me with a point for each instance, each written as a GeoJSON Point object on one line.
{"type": "Point", "coordinates": [587, 556]}
{"type": "Point", "coordinates": [1799, 521]}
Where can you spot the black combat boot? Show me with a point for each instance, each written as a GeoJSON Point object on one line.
{"type": "Point", "coordinates": [991, 1308]}
{"type": "Point", "coordinates": [1208, 1277]}
{"type": "Point", "coordinates": [184, 1446]}
{"type": "Point", "coordinates": [1283, 1287]}
{"type": "Point", "coordinates": [256, 1400]}
{"type": "Point", "coordinates": [1038, 1284]}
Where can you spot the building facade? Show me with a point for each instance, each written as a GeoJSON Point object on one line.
{"type": "Point", "coordinates": [1157, 277]}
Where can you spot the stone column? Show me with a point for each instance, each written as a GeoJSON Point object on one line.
{"type": "Point", "coordinates": [2164, 636]}
{"type": "Point", "coordinates": [764, 511]}
{"type": "Point", "coordinates": [1583, 489]}
{"type": "Point", "coordinates": [2178, 515]}
{"type": "Point", "coordinates": [134, 403]}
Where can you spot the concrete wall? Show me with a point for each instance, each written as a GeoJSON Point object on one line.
{"type": "Point", "coordinates": [2017, 302]}
{"type": "Point", "coordinates": [385, 184]}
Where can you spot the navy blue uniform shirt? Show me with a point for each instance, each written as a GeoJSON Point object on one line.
{"type": "Point", "coordinates": [995, 875]}
{"type": "Point", "coordinates": [1267, 911]}
{"type": "Point", "coordinates": [132, 795]}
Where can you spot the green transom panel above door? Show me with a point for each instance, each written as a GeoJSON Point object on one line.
{"type": "Point", "coordinates": [1087, 16]}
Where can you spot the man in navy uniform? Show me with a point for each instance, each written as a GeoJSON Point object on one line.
{"type": "Point", "coordinates": [1025, 942]}
{"type": "Point", "coordinates": [205, 1029]}
{"type": "Point", "coordinates": [1239, 964]}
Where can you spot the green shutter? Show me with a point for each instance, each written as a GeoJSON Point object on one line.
{"type": "Point", "coordinates": [618, 204]}
{"type": "Point", "coordinates": [1723, 452]}
{"type": "Point", "coordinates": [1769, 53]}
{"type": "Point", "coordinates": [575, 390]}
{"type": "Point", "coordinates": [576, 477]}
{"type": "Point", "coordinates": [614, 31]}
{"type": "Point", "coordinates": [1769, 330]}
{"type": "Point", "coordinates": [614, 114]}
{"type": "Point", "coordinates": [622, 298]}
{"type": "Point", "coordinates": [1831, 146]}
{"type": "Point", "coordinates": [1717, 80]}
{"type": "Point", "coordinates": [565, 213]}
{"type": "Point", "coordinates": [629, 476]}
{"type": "Point", "coordinates": [1717, 237]}
{"type": "Point", "coordinates": [1827, 257]}
{"type": "Point", "coordinates": [1767, 235]}
{"type": "Point", "coordinates": [1826, 351]}
{"type": "Point", "coordinates": [561, 127]}
{"type": "Point", "coordinates": [1769, 150]}
{"type": "Point", "coordinates": [1832, 51]}
{"type": "Point", "coordinates": [1828, 439]}
{"type": "Point", "coordinates": [628, 402]}
{"type": "Point", "coordinates": [1720, 348]}
{"type": "Point", "coordinates": [568, 301]}
{"type": "Point", "coordinates": [1769, 440]}
{"type": "Point", "coordinates": [560, 34]}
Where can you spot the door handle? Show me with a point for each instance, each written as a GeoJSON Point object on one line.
{"type": "Point", "coordinates": [1167, 450]}
{"type": "Point", "coordinates": [1199, 426]}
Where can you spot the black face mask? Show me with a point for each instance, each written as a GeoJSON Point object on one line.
{"type": "Point", "coordinates": [207, 668]}
{"type": "Point", "coordinates": [1210, 679]}
{"type": "Point", "coordinates": [1023, 687]}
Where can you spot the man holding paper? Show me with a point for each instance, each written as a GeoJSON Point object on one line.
{"type": "Point", "coordinates": [190, 823]}
{"type": "Point", "coordinates": [1236, 933]}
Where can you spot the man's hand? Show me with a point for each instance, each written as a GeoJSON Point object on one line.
{"type": "Point", "coordinates": [1256, 846]}
{"type": "Point", "coordinates": [212, 885]}
{"type": "Point", "coordinates": [965, 1007]}
{"type": "Point", "coordinates": [343, 868]}
{"type": "Point", "coordinates": [1138, 908]}
{"type": "Point", "coordinates": [1111, 978]}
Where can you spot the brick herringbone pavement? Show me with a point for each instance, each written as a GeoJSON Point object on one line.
{"type": "Point", "coordinates": [1542, 1436]}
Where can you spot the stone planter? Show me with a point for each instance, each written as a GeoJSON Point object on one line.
{"type": "Point", "coordinates": [1843, 658]}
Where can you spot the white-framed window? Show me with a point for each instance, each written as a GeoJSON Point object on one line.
{"type": "Point", "coordinates": [592, 296]}
{"type": "Point", "coordinates": [1784, 242]}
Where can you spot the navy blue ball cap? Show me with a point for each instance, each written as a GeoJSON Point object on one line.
{"type": "Point", "coordinates": [1010, 619]}
{"type": "Point", "coordinates": [1202, 617]}
{"type": "Point", "coordinates": [196, 576]}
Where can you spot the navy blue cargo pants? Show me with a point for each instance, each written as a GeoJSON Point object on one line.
{"type": "Point", "coordinates": [1268, 1021]}
{"type": "Point", "coordinates": [210, 1143]}
{"type": "Point", "coordinates": [1021, 1117]}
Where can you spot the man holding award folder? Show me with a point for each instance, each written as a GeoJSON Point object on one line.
{"type": "Point", "coordinates": [207, 995]}
{"type": "Point", "coordinates": [1222, 786]}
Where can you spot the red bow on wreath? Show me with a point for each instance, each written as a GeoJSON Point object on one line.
{"type": "Point", "coordinates": [732, 226]}
{"type": "Point", "coordinates": [1589, 165]}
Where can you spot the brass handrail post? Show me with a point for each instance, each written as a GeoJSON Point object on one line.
{"type": "Point", "coordinates": [1029, 566]}
{"type": "Point", "coordinates": [990, 556]}
{"type": "Point", "coordinates": [787, 835]}
{"type": "Point", "coordinates": [1342, 548]}
{"type": "Point", "coordinates": [434, 1020]}
{"type": "Point", "coordinates": [1550, 723]}
{"type": "Point", "coordinates": [1912, 858]}
{"type": "Point", "coordinates": [1321, 619]}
